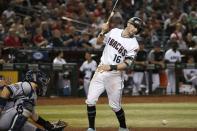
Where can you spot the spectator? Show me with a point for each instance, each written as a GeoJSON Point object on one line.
{"type": "Point", "coordinates": [23, 36]}
{"type": "Point", "coordinates": [183, 19]}
{"type": "Point", "coordinates": [2, 32]}
{"type": "Point", "coordinates": [28, 25]}
{"type": "Point", "coordinates": [161, 19]}
{"type": "Point", "coordinates": [39, 40]}
{"type": "Point", "coordinates": [71, 37]}
{"type": "Point", "coordinates": [82, 12]}
{"type": "Point", "coordinates": [84, 42]}
{"type": "Point", "coordinates": [12, 40]}
{"type": "Point", "coordinates": [189, 40]}
{"type": "Point", "coordinates": [192, 20]}
{"type": "Point", "coordinates": [178, 36]}
{"type": "Point", "coordinates": [56, 40]}
{"type": "Point", "coordinates": [173, 56]}
{"type": "Point", "coordinates": [46, 31]}
{"type": "Point", "coordinates": [9, 13]}
{"type": "Point", "coordinates": [169, 23]}
{"type": "Point", "coordinates": [90, 4]}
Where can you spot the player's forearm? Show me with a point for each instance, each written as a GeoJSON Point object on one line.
{"type": "Point", "coordinates": [121, 66]}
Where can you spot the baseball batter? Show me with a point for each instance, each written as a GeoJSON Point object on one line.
{"type": "Point", "coordinates": [17, 104]}
{"type": "Point", "coordinates": [87, 69]}
{"type": "Point", "coordinates": [120, 49]}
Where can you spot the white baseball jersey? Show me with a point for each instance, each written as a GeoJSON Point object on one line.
{"type": "Point", "coordinates": [59, 61]}
{"type": "Point", "coordinates": [88, 68]}
{"type": "Point", "coordinates": [172, 56]}
{"type": "Point", "coordinates": [117, 48]}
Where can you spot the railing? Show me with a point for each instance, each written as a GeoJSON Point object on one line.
{"type": "Point", "coordinates": [51, 69]}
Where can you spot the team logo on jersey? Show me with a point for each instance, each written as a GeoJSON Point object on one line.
{"type": "Point", "coordinates": [117, 46]}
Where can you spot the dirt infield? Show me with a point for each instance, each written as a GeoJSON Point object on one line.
{"type": "Point", "coordinates": [136, 99]}
{"type": "Point", "coordinates": [141, 99]}
{"type": "Point", "coordinates": [135, 129]}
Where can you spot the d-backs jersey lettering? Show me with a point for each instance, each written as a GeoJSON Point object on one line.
{"type": "Point", "coordinates": [172, 56]}
{"type": "Point", "coordinates": [117, 48]}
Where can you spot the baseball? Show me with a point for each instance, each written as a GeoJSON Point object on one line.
{"type": "Point", "coordinates": [164, 122]}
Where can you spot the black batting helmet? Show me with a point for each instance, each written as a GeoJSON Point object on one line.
{"type": "Point", "coordinates": [137, 22]}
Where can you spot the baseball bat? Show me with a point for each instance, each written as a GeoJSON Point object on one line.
{"type": "Point", "coordinates": [132, 2]}
{"type": "Point", "coordinates": [112, 12]}
{"type": "Point", "coordinates": [76, 21]}
{"type": "Point", "coordinates": [111, 15]}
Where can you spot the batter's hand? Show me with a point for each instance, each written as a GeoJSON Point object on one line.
{"type": "Point", "coordinates": [105, 28]}
{"type": "Point", "coordinates": [103, 68]}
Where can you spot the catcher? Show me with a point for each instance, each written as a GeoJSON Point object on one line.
{"type": "Point", "coordinates": [18, 101]}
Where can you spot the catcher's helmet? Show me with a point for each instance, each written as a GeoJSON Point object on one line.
{"type": "Point", "coordinates": [137, 22]}
{"type": "Point", "coordinates": [40, 78]}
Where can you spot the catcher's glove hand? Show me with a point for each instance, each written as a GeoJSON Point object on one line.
{"type": "Point", "coordinates": [59, 126]}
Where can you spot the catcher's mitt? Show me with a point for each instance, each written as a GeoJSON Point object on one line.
{"type": "Point", "coordinates": [59, 126]}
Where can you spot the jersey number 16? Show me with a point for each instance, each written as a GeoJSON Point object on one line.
{"type": "Point", "coordinates": [117, 58]}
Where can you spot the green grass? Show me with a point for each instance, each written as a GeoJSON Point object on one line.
{"type": "Point", "coordinates": [180, 115]}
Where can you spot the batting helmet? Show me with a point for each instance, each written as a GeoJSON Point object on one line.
{"type": "Point", "coordinates": [40, 78]}
{"type": "Point", "coordinates": [137, 22]}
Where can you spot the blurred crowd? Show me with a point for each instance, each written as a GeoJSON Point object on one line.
{"type": "Point", "coordinates": [76, 23]}
{"type": "Point", "coordinates": [170, 26]}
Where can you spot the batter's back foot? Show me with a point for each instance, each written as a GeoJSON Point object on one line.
{"type": "Point", "coordinates": [90, 129]}
{"type": "Point", "coordinates": [123, 129]}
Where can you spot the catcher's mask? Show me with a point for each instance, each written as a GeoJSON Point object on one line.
{"type": "Point", "coordinates": [40, 78]}
{"type": "Point", "coordinates": [137, 22]}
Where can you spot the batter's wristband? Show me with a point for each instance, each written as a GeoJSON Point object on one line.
{"type": "Point", "coordinates": [113, 67]}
